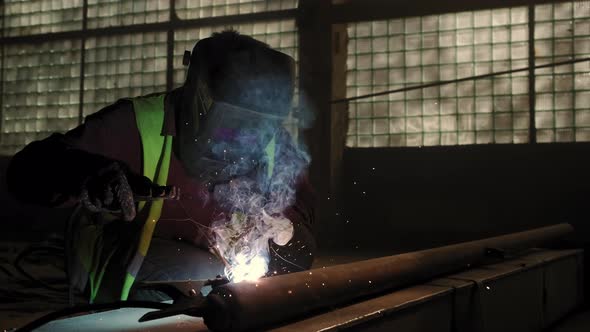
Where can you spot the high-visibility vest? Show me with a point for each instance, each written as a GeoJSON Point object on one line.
{"type": "Point", "coordinates": [91, 252]}
{"type": "Point", "coordinates": [156, 153]}
{"type": "Point", "coordinates": [156, 156]}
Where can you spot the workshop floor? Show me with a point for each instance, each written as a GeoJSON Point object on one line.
{"type": "Point", "coordinates": [22, 300]}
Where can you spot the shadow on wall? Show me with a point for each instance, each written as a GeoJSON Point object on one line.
{"type": "Point", "coordinates": [19, 221]}
{"type": "Point", "coordinates": [403, 199]}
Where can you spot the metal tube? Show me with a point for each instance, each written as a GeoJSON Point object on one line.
{"type": "Point", "coordinates": [252, 305]}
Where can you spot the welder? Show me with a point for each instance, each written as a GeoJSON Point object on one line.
{"type": "Point", "coordinates": [223, 126]}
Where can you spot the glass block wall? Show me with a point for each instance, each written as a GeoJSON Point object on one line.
{"type": "Point", "coordinates": [41, 82]}
{"type": "Point", "coordinates": [24, 17]}
{"type": "Point", "coordinates": [280, 35]}
{"type": "Point", "coordinates": [562, 32]}
{"type": "Point", "coordinates": [41, 85]}
{"type": "Point", "coordinates": [108, 13]}
{"type": "Point", "coordinates": [415, 51]}
{"type": "Point", "coordinates": [191, 9]}
{"type": "Point", "coordinates": [123, 66]}
{"type": "Point", "coordinates": [393, 54]}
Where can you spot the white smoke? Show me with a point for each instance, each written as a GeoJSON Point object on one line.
{"type": "Point", "coordinates": [256, 206]}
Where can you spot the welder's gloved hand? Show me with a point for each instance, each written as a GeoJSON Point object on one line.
{"type": "Point", "coordinates": [112, 189]}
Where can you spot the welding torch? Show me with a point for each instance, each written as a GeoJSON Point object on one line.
{"type": "Point", "coordinates": [146, 195]}
{"type": "Point", "coordinates": [158, 193]}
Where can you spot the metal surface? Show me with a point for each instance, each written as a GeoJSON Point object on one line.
{"type": "Point", "coordinates": [417, 308]}
{"type": "Point", "coordinates": [563, 289]}
{"type": "Point", "coordinates": [252, 305]}
{"type": "Point", "coordinates": [452, 303]}
{"type": "Point", "coordinates": [520, 289]}
{"type": "Point", "coordinates": [505, 298]}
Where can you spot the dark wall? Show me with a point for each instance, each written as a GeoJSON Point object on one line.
{"type": "Point", "coordinates": [423, 197]}
{"type": "Point", "coordinates": [19, 221]}
{"type": "Point", "coordinates": [419, 197]}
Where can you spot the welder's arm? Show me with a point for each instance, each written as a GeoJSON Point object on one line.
{"type": "Point", "coordinates": [298, 253]}
{"type": "Point", "coordinates": [51, 172]}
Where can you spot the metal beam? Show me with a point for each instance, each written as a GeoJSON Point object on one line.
{"type": "Point", "coordinates": [2, 62]}
{"type": "Point", "coordinates": [315, 82]}
{"type": "Point", "coordinates": [255, 305]}
{"type": "Point", "coordinates": [531, 76]}
{"type": "Point", "coordinates": [82, 62]}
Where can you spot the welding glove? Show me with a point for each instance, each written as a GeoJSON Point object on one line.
{"type": "Point", "coordinates": [112, 190]}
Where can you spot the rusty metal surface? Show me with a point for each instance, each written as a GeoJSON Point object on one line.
{"type": "Point", "coordinates": [362, 314]}
{"type": "Point", "coordinates": [526, 293]}
{"type": "Point", "coordinates": [562, 278]}
{"type": "Point", "coordinates": [243, 306]}
{"type": "Point", "coordinates": [425, 307]}
{"type": "Point", "coordinates": [506, 299]}
{"type": "Point", "coordinates": [562, 289]}
{"type": "Point", "coordinates": [461, 318]}
{"type": "Point", "coordinates": [430, 316]}
{"type": "Point", "coordinates": [506, 296]}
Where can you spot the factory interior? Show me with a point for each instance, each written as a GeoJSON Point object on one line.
{"type": "Point", "coordinates": [446, 144]}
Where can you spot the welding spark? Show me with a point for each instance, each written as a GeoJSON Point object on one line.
{"type": "Point", "coordinates": [253, 206]}
{"type": "Point", "coordinates": [247, 270]}
{"type": "Point", "coordinates": [243, 243]}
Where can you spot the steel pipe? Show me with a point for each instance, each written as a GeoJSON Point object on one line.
{"type": "Point", "coordinates": [254, 305]}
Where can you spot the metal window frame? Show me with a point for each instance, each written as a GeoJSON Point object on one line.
{"type": "Point", "coordinates": [173, 24]}
{"type": "Point", "coordinates": [419, 8]}
{"type": "Point", "coordinates": [341, 12]}
{"type": "Point", "coordinates": [353, 11]}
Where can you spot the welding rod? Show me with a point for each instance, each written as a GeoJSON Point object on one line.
{"type": "Point", "coordinates": [255, 305]}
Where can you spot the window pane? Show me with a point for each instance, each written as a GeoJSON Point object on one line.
{"type": "Point", "coordinates": [192, 9]}
{"type": "Point", "coordinates": [123, 66]}
{"type": "Point", "coordinates": [41, 16]}
{"type": "Point", "coordinates": [110, 13]}
{"type": "Point", "coordinates": [41, 91]}
{"type": "Point", "coordinates": [562, 32]}
{"type": "Point", "coordinates": [421, 50]}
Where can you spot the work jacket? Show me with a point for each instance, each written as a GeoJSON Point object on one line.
{"type": "Point", "coordinates": [112, 134]}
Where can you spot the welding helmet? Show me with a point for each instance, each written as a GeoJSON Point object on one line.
{"type": "Point", "coordinates": [237, 93]}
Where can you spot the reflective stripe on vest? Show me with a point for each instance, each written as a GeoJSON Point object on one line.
{"type": "Point", "coordinates": [156, 150]}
